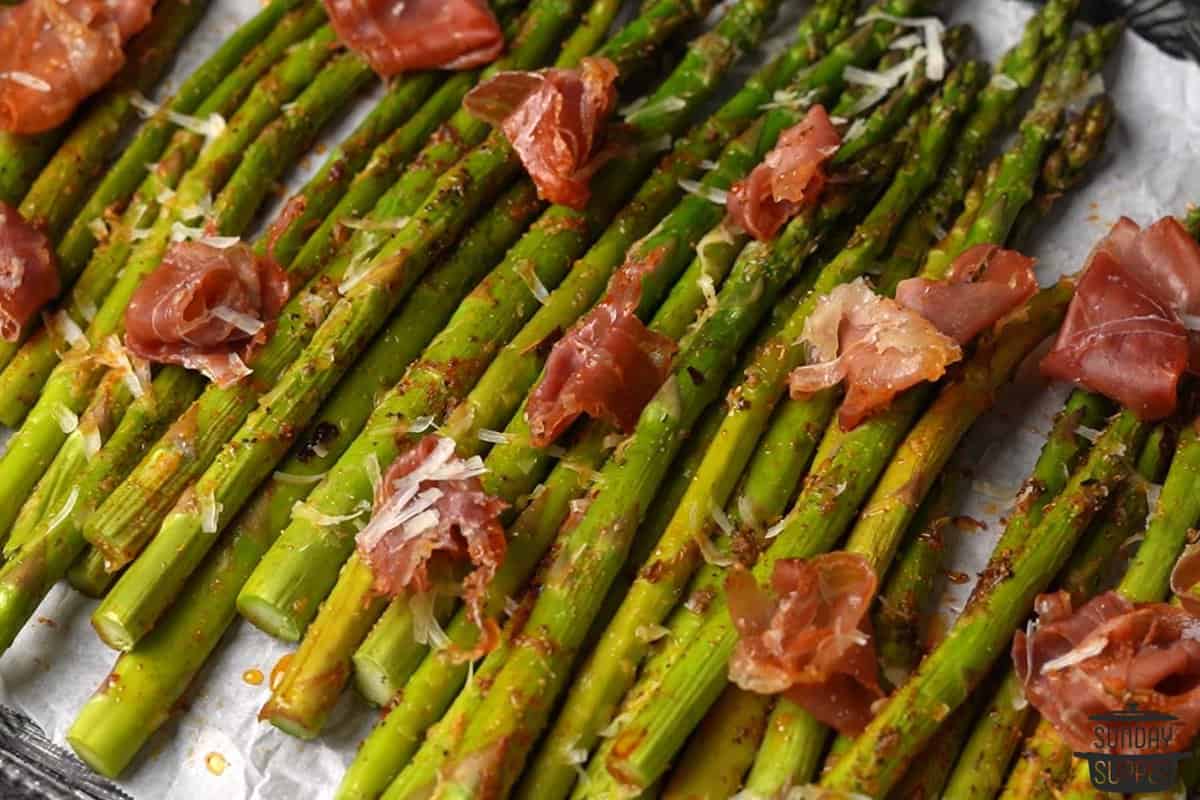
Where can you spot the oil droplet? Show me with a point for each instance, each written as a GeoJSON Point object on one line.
{"type": "Point", "coordinates": [252, 676]}
{"type": "Point", "coordinates": [216, 763]}
{"type": "Point", "coordinates": [279, 669]}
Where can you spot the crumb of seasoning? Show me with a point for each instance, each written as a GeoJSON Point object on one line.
{"type": "Point", "coordinates": [958, 578]}
{"type": "Point", "coordinates": [277, 672]}
{"type": "Point", "coordinates": [49, 623]}
{"type": "Point", "coordinates": [216, 763]}
{"type": "Point", "coordinates": [253, 676]}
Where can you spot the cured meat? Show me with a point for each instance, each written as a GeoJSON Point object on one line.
{"type": "Point", "coordinates": [790, 177]}
{"type": "Point", "coordinates": [878, 347]}
{"type": "Point", "coordinates": [985, 284]}
{"type": "Point", "coordinates": [431, 515]}
{"type": "Point", "coordinates": [609, 365]}
{"type": "Point", "coordinates": [809, 637]}
{"type": "Point", "coordinates": [28, 272]}
{"type": "Point", "coordinates": [396, 36]}
{"type": "Point", "coordinates": [1125, 334]}
{"type": "Point", "coordinates": [55, 54]}
{"type": "Point", "coordinates": [554, 119]}
{"type": "Point", "coordinates": [1106, 655]}
{"type": "Point", "coordinates": [1185, 579]}
{"type": "Point", "coordinates": [205, 308]}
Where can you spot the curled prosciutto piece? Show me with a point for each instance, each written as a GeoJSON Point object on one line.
{"type": "Point", "coordinates": [1185, 579]}
{"type": "Point", "coordinates": [397, 36]}
{"type": "Point", "coordinates": [609, 365]}
{"type": "Point", "coordinates": [809, 637]}
{"type": "Point", "coordinates": [878, 347]}
{"type": "Point", "coordinates": [431, 515]}
{"type": "Point", "coordinates": [1125, 334]}
{"type": "Point", "coordinates": [790, 177]}
{"type": "Point", "coordinates": [985, 283]}
{"type": "Point", "coordinates": [1106, 655]}
{"type": "Point", "coordinates": [206, 308]}
{"type": "Point", "coordinates": [554, 119]}
{"type": "Point", "coordinates": [28, 272]}
{"type": "Point", "coordinates": [54, 54]}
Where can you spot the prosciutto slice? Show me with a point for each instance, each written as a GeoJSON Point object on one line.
{"type": "Point", "coordinates": [54, 54]}
{"type": "Point", "coordinates": [554, 119]}
{"type": "Point", "coordinates": [431, 515]}
{"type": "Point", "coordinates": [206, 308]}
{"type": "Point", "coordinates": [878, 347]}
{"type": "Point", "coordinates": [28, 272]}
{"type": "Point", "coordinates": [396, 36]}
{"type": "Point", "coordinates": [1185, 579]}
{"type": "Point", "coordinates": [809, 637]}
{"type": "Point", "coordinates": [790, 177]}
{"type": "Point", "coordinates": [1106, 655]}
{"type": "Point", "coordinates": [1125, 334]}
{"type": "Point", "coordinates": [609, 365]}
{"type": "Point", "coordinates": [985, 284]}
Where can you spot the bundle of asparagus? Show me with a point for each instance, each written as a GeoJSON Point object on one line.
{"type": "Point", "coordinates": [387, 467]}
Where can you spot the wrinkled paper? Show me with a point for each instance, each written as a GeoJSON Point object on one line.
{"type": "Point", "coordinates": [1151, 168]}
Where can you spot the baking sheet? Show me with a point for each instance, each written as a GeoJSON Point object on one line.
{"type": "Point", "coordinates": [1151, 168]}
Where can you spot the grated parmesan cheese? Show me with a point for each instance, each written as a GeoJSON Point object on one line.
{"type": "Point", "coordinates": [710, 193]}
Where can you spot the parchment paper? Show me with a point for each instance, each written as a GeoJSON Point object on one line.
{"type": "Point", "coordinates": [1151, 168]}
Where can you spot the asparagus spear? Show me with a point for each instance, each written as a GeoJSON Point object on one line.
{"type": "Point", "coordinates": [433, 686]}
{"type": "Point", "coordinates": [1045, 760]}
{"type": "Point", "coordinates": [72, 382]}
{"type": "Point", "coordinates": [286, 589]}
{"type": "Point", "coordinates": [101, 731]}
{"type": "Point", "coordinates": [120, 530]}
{"type": "Point", "coordinates": [394, 113]}
{"type": "Point", "coordinates": [314, 106]}
{"type": "Point", "coordinates": [569, 597]}
{"type": "Point", "coordinates": [897, 619]}
{"type": "Point", "coordinates": [1003, 597]}
{"type": "Point", "coordinates": [22, 158]}
{"type": "Point", "coordinates": [384, 661]}
{"type": "Point", "coordinates": [1148, 577]}
{"type": "Point", "coordinates": [657, 728]}
{"type": "Point", "coordinates": [22, 380]}
{"type": "Point", "coordinates": [1043, 40]}
{"type": "Point", "coordinates": [606, 677]}
{"type": "Point", "coordinates": [57, 193]}
{"type": "Point", "coordinates": [458, 349]}
{"type": "Point", "coordinates": [721, 749]}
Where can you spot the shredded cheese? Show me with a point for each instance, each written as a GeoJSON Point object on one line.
{"type": "Point", "coordinates": [712, 194]}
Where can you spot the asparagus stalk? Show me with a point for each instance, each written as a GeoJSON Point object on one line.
{"type": "Point", "coordinates": [101, 731]}
{"type": "Point", "coordinates": [897, 620]}
{"type": "Point", "coordinates": [57, 193]}
{"type": "Point", "coordinates": [283, 595]}
{"type": "Point", "coordinates": [981, 767]}
{"type": "Point", "coordinates": [384, 661]}
{"type": "Point", "coordinates": [72, 382]}
{"type": "Point", "coordinates": [22, 158]}
{"type": "Point", "coordinates": [397, 114]}
{"type": "Point", "coordinates": [22, 380]}
{"type": "Point", "coordinates": [570, 597]}
{"type": "Point", "coordinates": [313, 107]}
{"type": "Point", "coordinates": [1047, 759]}
{"type": "Point", "coordinates": [721, 749]}
{"type": "Point", "coordinates": [1043, 40]}
{"type": "Point", "coordinates": [120, 531]}
{"type": "Point", "coordinates": [592, 700]}
{"type": "Point", "coordinates": [1003, 598]}
{"type": "Point", "coordinates": [463, 344]}
{"type": "Point", "coordinates": [658, 729]}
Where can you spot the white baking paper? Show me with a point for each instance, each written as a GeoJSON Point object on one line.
{"type": "Point", "coordinates": [1151, 168]}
